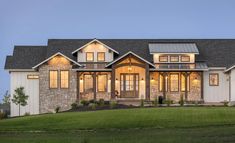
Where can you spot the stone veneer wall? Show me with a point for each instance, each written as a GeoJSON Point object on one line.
{"type": "Point", "coordinates": [49, 99]}
{"type": "Point", "coordinates": [193, 95]}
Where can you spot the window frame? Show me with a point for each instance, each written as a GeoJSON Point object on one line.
{"type": "Point", "coordinates": [189, 83]}
{"type": "Point", "coordinates": [92, 56]}
{"type": "Point", "coordinates": [61, 79]}
{"type": "Point", "coordinates": [106, 89]}
{"type": "Point", "coordinates": [57, 85]}
{"type": "Point", "coordinates": [98, 56]}
{"type": "Point", "coordinates": [184, 56]}
{"type": "Point", "coordinates": [217, 74]}
{"type": "Point", "coordinates": [171, 83]}
{"type": "Point", "coordinates": [166, 83]}
{"type": "Point", "coordinates": [163, 56]}
{"type": "Point", "coordinates": [174, 56]}
{"type": "Point", "coordinates": [84, 83]}
{"type": "Point", "coordinates": [33, 76]}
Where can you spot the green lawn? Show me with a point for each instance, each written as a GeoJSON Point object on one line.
{"type": "Point", "coordinates": [182, 124]}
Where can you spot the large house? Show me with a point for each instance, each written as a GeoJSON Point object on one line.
{"type": "Point", "coordinates": [70, 70]}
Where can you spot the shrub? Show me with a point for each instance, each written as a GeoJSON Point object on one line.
{"type": "Point", "coordinates": [84, 103]}
{"type": "Point", "coordinates": [168, 102]}
{"type": "Point", "coordinates": [2, 115]}
{"type": "Point", "coordinates": [92, 101]}
{"type": "Point", "coordinates": [225, 103]}
{"type": "Point", "coordinates": [93, 106]}
{"type": "Point", "coordinates": [101, 102]}
{"type": "Point", "coordinates": [142, 103]}
{"type": "Point", "coordinates": [113, 104]}
{"type": "Point", "coordinates": [26, 114]}
{"type": "Point", "coordinates": [181, 102]}
{"type": "Point", "coordinates": [57, 109]}
{"type": "Point", "coordinates": [74, 105]}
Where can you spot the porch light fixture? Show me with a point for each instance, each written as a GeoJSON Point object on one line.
{"type": "Point", "coordinates": [116, 79]}
{"type": "Point", "coordinates": [81, 79]}
{"type": "Point", "coordinates": [152, 78]}
{"type": "Point", "coordinates": [142, 79]}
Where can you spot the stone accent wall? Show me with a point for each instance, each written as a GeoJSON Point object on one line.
{"type": "Point", "coordinates": [49, 99]}
{"type": "Point", "coordinates": [193, 95]}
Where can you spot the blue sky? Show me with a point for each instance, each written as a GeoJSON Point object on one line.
{"type": "Point", "coordinates": [32, 22]}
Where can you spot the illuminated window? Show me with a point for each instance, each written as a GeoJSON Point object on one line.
{"type": "Point", "coordinates": [185, 59]}
{"type": "Point", "coordinates": [214, 79]}
{"type": "Point", "coordinates": [174, 82]}
{"type": "Point", "coordinates": [163, 58]}
{"type": "Point", "coordinates": [174, 58]}
{"type": "Point", "coordinates": [89, 56]}
{"type": "Point", "coordinates": [183, 83]}
{"type": "Point", "coordinates": [100, 56]}
{"type": "Point", "coordinates": [88, 83]}
{"type": "Point", "coordinates": [64, 79]}
{"type": "Point", "coordinates": [102, 83]}
{"type": "Point", "coordinates": [31, 76]}
{"type": "Point", "coordinates": [53, 76]}
{"type": "Point", "coordinates": [161, 83]}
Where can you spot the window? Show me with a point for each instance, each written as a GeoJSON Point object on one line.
{"type": "Point", "coordinates": [214, 79]}
{"type": "Point", "coordinates": [88, 83]}
{"type": "Point", "coordinates": [100, 56]}
{"type": "Point", "coordinates": [102, 83]}
{"type": "Point", "coordinates": [89, 56]}
{"type": "Point", "coordinates": [161, 83]}
{"type": "Point", "coordinates": [185, 59]}
{"type": "Point", "coordinates": [174, 82]}
{"type": "Point", "coordinates": [53, 76]}
{"type": "Point", "coordinates": [183, 83]}
{"type": "Point", "coordinates": [163, 58]}
{"type": "Point", "coordinates": [31, 76]}
{"type": "Point", "coordinates": [64, 79]}
{"type": "Point", "coordinates": [174, 58]}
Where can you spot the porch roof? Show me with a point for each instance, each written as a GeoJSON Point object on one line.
{"type": "Point", "coordinates": [199, 66]}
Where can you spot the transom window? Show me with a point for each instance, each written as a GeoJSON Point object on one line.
{"type": "Point", "coordinates": [88, 83]}
{"type": "Point", "coordinates": [53, 77]}
{"type": "Point", "coordinates": [174, 82]}
{"type": "Point", "coordinates": [101, 56]}
{"type": "Point", "coordinates": [64, 79]}
{"type": "Point", "coordinates": [185, 59]}
{"type": "Point", "coordinates": [102, 83]}
{"type": "Point", "coordinates": [214, 79]}
{"type": "Point", "coordinates": [90, 56]}
{"type": "Point", "coordinates": [163, 58]}
{"type": "Point", "coordinates": [174, 58]}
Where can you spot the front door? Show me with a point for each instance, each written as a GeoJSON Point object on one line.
{"type": "Point", "coordinates": [129, 85]}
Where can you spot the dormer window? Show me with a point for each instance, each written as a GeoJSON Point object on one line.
{"type": "Point", "coordinates": [89, 56]}
{"type": "Point", "coordinates": [101, 56]}
{"type": "Point", "coordinates": [163, 58]}
{"type": "Point", "coordinates": [174, 58]}
{"type": "Point", "coordinates": [185, 59]}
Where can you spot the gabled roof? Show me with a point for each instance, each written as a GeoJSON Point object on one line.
{"type": "Point", "coordinates": [173, 48]}
{"type": "Point", "coordinates": [128, 53]}
{"type": "Point", "coordinates": [95, 40]}
{"type": "Point", "coordinates": [54, 56]}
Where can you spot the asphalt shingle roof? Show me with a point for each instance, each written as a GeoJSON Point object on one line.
{"type": "Point", "coordinates": [215, 52]}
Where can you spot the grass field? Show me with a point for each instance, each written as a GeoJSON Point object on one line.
{"type": "Point", "coordinates": [176, 124]}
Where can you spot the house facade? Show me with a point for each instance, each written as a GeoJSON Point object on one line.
{"type": "Point", "coordinates": [66, 71]}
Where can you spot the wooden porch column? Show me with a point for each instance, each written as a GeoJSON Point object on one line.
{"type": "Point", "coordinates": [78, 86]}
{"type": "Point", "coordinates": [113, 81]}
{"type": "Point", "coordinates": [94, 84]}
{"type": "Point", "coordinates": [147, 78]}
{"type": "Point", "coordinates": [202, 89]}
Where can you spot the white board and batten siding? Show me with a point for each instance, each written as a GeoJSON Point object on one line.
{"type": "Point", "coordinates": [216, 93]}
{"type": "Point", "coordinates": [95, 48]}
{"type": "Point", "coordinates": [31, 87]}
{"type": "Point", "coordinates": [233, 85]}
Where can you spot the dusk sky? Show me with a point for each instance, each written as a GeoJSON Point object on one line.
{"type": "Point", "coordinates": [32, 22]}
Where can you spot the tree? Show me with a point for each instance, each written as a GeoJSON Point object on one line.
{"type": "Point", "coordinates": [20, 98]}
{"type": "Point", "coordinates": [6, 98]}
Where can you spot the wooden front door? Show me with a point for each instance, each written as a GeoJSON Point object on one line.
{"type": "Point", "coordinates": [129, 85]}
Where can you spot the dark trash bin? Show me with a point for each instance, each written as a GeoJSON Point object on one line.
{"type": "Point", "coordinates": [160, 99]}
